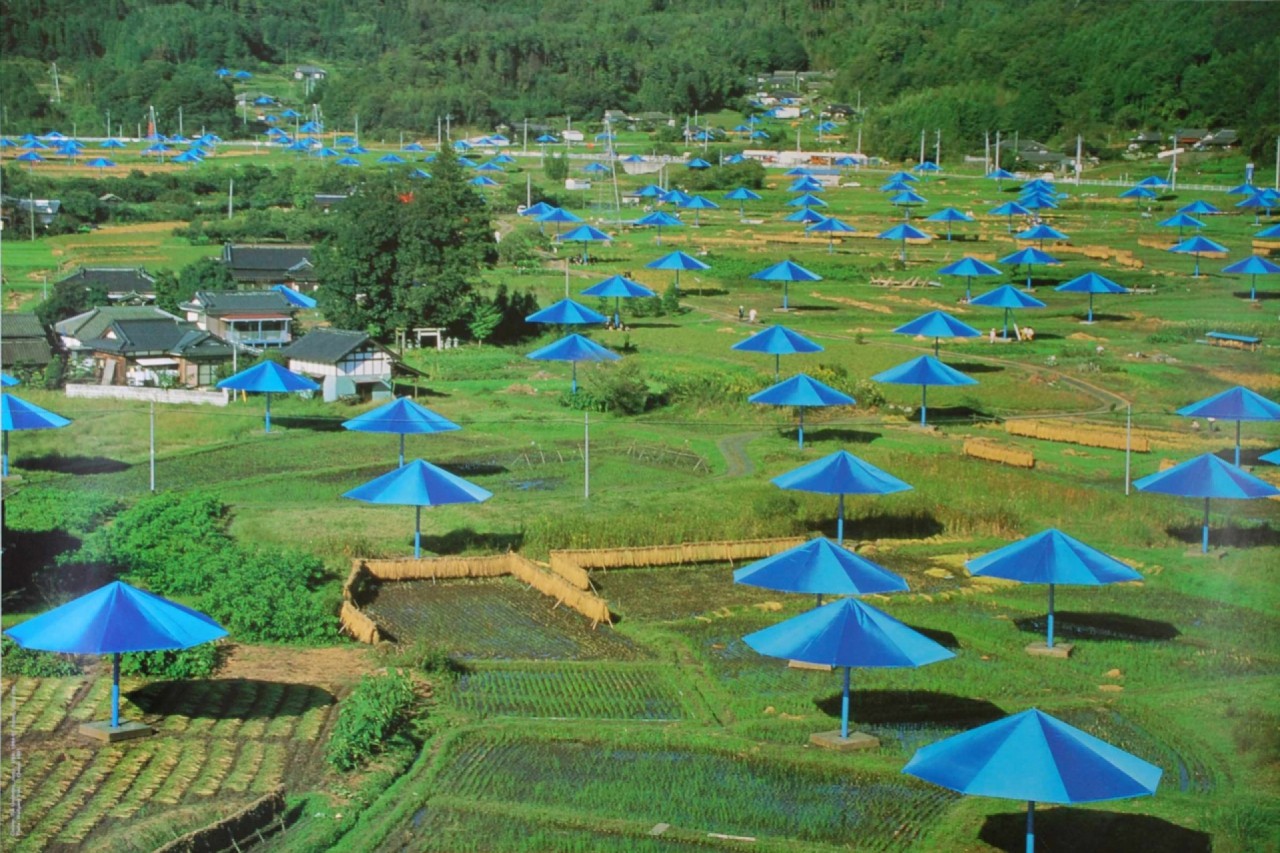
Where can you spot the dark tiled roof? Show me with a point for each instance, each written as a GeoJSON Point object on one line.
{"type": "Point", "coordinates": [137, 337]}
{"type": "Point", "coordinates": [326, 346]}
{"type": "Point", "coordinates": [116, 279]}
{"type": "Point", "coordinates": [224, 304]}
{"type": "Point", "coordinates": [23, 325]}
{"type": "Point", "coordinates": [262, 263]}
{"type": "Point", "coordinates": [25, 351]}
{"type": "Point", "coordinates": [92, 323]}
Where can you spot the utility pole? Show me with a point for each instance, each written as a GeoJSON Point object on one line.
{"type": "Point", "coordinates": [231, 194]}
{"type": "Point", "coordinates": [181, 132]}
{"type": "Point", "coordinates": [921, 160]}
{"type": "Point", "coordinates": [31, 214]}
{"type": "Point", "coordinates": [937, 147]}
{"type": "Point", "coordinates": [108, 124]}
{"type": "Point", "coordinates": [153, 447]}
{"type": "Point", "coordinates": [57, 90]}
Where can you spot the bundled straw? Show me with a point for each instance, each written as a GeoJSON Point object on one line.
{"type": "Point", "coordinates": [979, 449]}
{"type": "Point", "coordinates": [1082, 434]}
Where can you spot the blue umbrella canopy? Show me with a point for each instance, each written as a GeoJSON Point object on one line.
{"type": "Point", "coordinates": [1207, 477]}
{"type": "Point", "coordinates": [699, 163]}
{"type": "Point", "coordinates": [1029, 256]}
{"type": "Point", "coordinates": [840, 474]}
{"type": "Point", "coordinates": [820, 566]}
{"type": "Point", "coordinates": [969, 267]}
{"type": "Point", "coordinates": [895, 187]}
{"type": "Point", "coordinates": [657, 219]}
{"type": "Point", "coordinates": [806, 215]}
{"type": "Point", "coordinates": [1253, 266]}
{"type": "Point", "coordinates": [675, 196]}
{"type": "Point", "coordinates": [807, 200]}
{"type": "Point", "coordinates": [29, 157]}
{"type": "Point", "coordinates": [949, 215]}
{"type": "Point", "coordinates": [904, 232]}
{"type": "Point", "coordinates": [419, 484]}
{"type": "Point", "coordinates": [485, 181]}
{"type": "Point", "coordinates": [401, 416]}
{"type": "Point", "coordinates": [847, 633]}
{"type": "Point", "coordinates": [539, 209]}
{"type": "Point", "coordinates": [1007, 297]}
{"type": "Point", "coordinates": [7, 381]}
{"type": "Point", "coordinates": [1235, 404]}
{"type": "Point", "coordinates": [698, 204]}
{"type": "Point", "coordinates": [1052, 557]}
{"type": "Point", "coordinates": [584, 234]}
{"type": "Point", "coordinates": [924, 371]}
{"type": "Point", "coordinates": [785, 272]}
{"type": "Point", "coordinates": [1091, 283]}
{"type": "Point", "coordinates": [1269, 233]}
{"type": "Point", "coordinates": [777, 341]}
{"type": "Point", "coordinates": [1034, 757]}
{"type": "Point", "coordinates": [1142, 193]}
{"type": "Point", "coordinates": [619, 288]}
{"type": "Point", "coordinates": [17, 414]}
{"type": "Point", "coordinates": [391, 158]}
{"type": "Point", "coordinates": [1000, 175]}
{"type": "Point", "coordinates": [650, 191]}
{"type": "Point", "coordinates": [566, 312]}
{"type": "Point", "coordinates": [1010, 209]}
{"type": "Point", "coordinates": [802, 392]}
{"type": "Point", "coordinates": [830, 226]}
{"type": "Point", "coordinates": [115, 619]}
{"type": "Point", "coordinates": [1273, 457]}
{"type": "Point", "coordinates": [805, 183]}
{"type": "Point", "coordinates": [1195, 246]}
{"type": "Point", "coordinates": [1181, 221]}
{"type": "Point", "coordinates": [268, 378]}
{"type": "Point", "coordinates": [937, 324]}
{"type": "Point", "coordinates": [1153, 181]}
{"type": "Point", "coordinates": [574, 348]}
{"type": "Point", "coordinates": [742, 195]}
{"type": "Point", "coordinates": [677, 261]}
{"type": "Point", "coordinates": [1198, 208]}
{"type": "Point", "coordinates": [1041, 232]}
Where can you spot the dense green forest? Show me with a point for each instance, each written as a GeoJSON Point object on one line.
{"type": "Point", "coordinates": [1045, 68]}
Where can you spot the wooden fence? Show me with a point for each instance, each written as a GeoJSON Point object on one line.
{"type": "Point", "coordinates": [979, 449]}
{"type": "Point", "coordinates": [1085, 435]}
{"type": "Point", "coordinates": [670, 555]}
{"type": "Point", "coordinates": [246, 827]}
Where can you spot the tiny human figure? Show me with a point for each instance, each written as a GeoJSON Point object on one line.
{"type": "Point", "coordinates": [751, 315]}
{"type": "Point", "coordinates": [991, 336]}
{"type": "Point", "coordinates": [741, 312]}
{"type": "Point", "coordinates": [1030, 333]}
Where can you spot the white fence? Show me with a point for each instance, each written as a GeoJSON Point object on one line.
{"type": "Point", "coordinates": [148, 395]}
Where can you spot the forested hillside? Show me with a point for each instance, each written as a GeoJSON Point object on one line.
{"type": "Point", "coordinates": [1046, 68]}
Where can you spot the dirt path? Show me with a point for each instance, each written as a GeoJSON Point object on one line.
{"type": "Point", "coordinates": [734, 450]}
{"type": "Point", "coordinates": [335, 665]}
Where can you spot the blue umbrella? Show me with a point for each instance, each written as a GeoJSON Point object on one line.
{"type": "Point", "coordinates": [807, 200]}
{"type": "Point", "coordinates": [584, 234]}
{"type": "Point", "coordinates": [546, 139]}
{"type": "Point", "coordinates": [1253, 266]}
{"type": "Point", "coordinates": [699, 163]}
{"type": "Point", "coordinates": [1000, 176]}
{"type": "Point", "coordinates": [1029, 256]}
{"type": "Point", "coordinates": [595, 168]}
{"type": "Point", "coordinates": [822, 567]}
{"type": "Point", "coordinates": [1010, 209]}
{"type": "Point", "coordinates": [805, 183]}
{"type": "Point", "coordinates": [1273, 457]}
{"type": "Point", "coordinates": [1140, 193]}
{"type": "Point", "coordinates": [566, 312]}
{"type": "Point", "coordinates": [419, 484]}
{"type": "Point", "coordinates": [698, 204]}
{"type": "Point", "coordinates": [807, 215]}
{"type": "Point", "coordinates": [742, 195]}
{"type": "Point", "coordinates": [633, 158]}
{"type": "Point", "coordinates": [840, 474]}
{"type": "Point", "coordinates": [674, 196]}
{"type": "Point", "coordinates": [905, 177]}
{"type": "Point", "coordinates": [802, 392]}
{"type": "Point", "coordinates": [830, 226]}
{"type": "Point", "coordinates": [268, 378]}
{"type": "Point", "coordinates": [414, 147]}
{"type": "Point", "coordinates": [100, 163]}
{"type": "Point", "coordinates": [785, 272]}
{"type": "Point", "coordinates": [7, 381]}
{"type": "Point", "coordinates": [1007, 297]}
{"type": "Point", "coordinates": [895, 187]}
{"type": "Point", "coordinates": [937, 324]}
{"type": "Point", "coordinates": [1052, 557]}
{"type": "Point", "coordinates": [1207, 477]}
{"type": "Point", "coordinates": [777, 341]}
{"type": "Point", "coordinates": [539, 209]}
{"type": "Point", "coordinates": [485, 181]}
{"type": "Point", "coordinates": [969, 267]}
{"type": "Point", "coordinates": [573, 349]}
{"type": "Point", "coordinates": [17, 414]}
{"type": "Point", "coordinates": [1235, 404]}
{"type": "Point", "coordinates": [924, 371]}
{"type": "Point", "coordinates": [112, 143]}
{"type": "Point", "coordinates": [1153, 181]}
{"type": "Point", "coordinates": [949, 215]}
{"type": "Point", "coordinates": [391, 158]}
{"type": "Point", "coordinates": [1269, 233]}
{"type": "Point", "coordinates": [619, 288]}
{"type": "Point", "coordinates": [1242, 189]}
{"type": "Point", "coordinates": [1256, 202]}
{"type": "Point", "coordinates": [1180, 221]}
{"type": "Point", "coordinates": [1091, 283]}
{"type": "Point", "coordinates": [29, 157]}
{"type": "Point", "coordinates": [847, 633]}
{"type": "Point", "coordinates": [401, 416]}
{"type": "Point", "coordinates": [1198, 208]}
{"type": "Point", "coordinates": [112, 620]}
{"type": "Point", "coordinates": [904, 232]}
{"type": "Point", "coordinates": [558, 215]}
{"type": "Point", "coordinates": [927, 167]}
{"type": "Point", "coordinates": [1196, 245]}
{"type": "Point", "coordinates": [1032, 756]}
{"type": "Point", "coordinates": [1041, 232]}
{"type": "Point", "coordinates": [906, 200]}
{"type": "Point", "coordinates": [657, 219]}
{"type": "Point", "coordinates": [677, 261]}
{"type": "Point", "coordinates": [650, 191]}
{"type": "Point", "coordinates": [421, 174]}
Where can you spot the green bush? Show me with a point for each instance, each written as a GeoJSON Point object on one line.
{"type": "Point", "coordinates": [621, 388]}
{"type": "Point", "coordinates": [272, 596]}
{"type": "Point", "coordinates": [377, 711]}
{"type": "Point", "coordinates": [36, 664]}
{"type": "Point", "coordinates": [196, 662]}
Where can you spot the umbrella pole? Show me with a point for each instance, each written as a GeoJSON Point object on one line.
{"type": "Point", "coordinates": [268, 411]}
{"type": "Point", "coordinates": [801, 436]}
{"type": "Point", "coordinates": [844, 706]}
{"type": "Point", "coordinates": [1031, 826]}
{"type": "Point", "coordinates": [1049, 638]}
{"type": "Point", "coordinates": [115, 690]}
{"type": "Point", "coordinates": [1204, 536]}
{"type": "Point", "coordinates": [924, 399]}
{"type": "Point", "coordinates": [840, 520]}
{"type": "Point", "coordinates": [575, 376]}
{"type": "Point", "coordinates": [1006, 324]}
{"type": "Point", "coordinates": [1237, 443]}
{"type": "Point", "coordinates": [417, 532]}
{"type": "Point", "coordinates": [777, 365]}
{"type": "Point", "coordinates": [1253, 288]}
{"type": "Point", "coordinates": [401, 450]}
{"type": "Point", "coordinates": [784, 296]}
{"type": "Point", "coordinates": [935, 347]}
{"type": "Point", "coordinates": [4, 452]}
{"type": "Point", "coordinates": [1090, 307]}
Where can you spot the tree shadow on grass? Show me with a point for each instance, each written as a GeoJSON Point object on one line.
{"type": "Point", "coordinates": [60, 464]}
{"type": "Point", "coordinates": [1082, 830]}
{"type": "Point", "coordinates": [1074, 625]}
{"type": "Point", "coordinates": [228, 699]}
{"type": "Point", "coordinates": [917, 524]}
{"type": "Point", "coordinates": [636, 324]}
{"type": "Point", "coordinates": [1263, 295]}
{"type": "Point", "coordinates": [890, 707]}
{"type": "Point", "coordinates": [976, 367]}
{"type": "Point", "coordinates": [1227, 536]}
{"type": "Point", "coordinates": [314, 423]}
{"type": "Point", "coordinates": [842, 435]}
{"type": "Point", "coordinates": [465, 539]}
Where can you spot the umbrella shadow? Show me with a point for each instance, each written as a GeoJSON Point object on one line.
{"type": "Point", "coordinates": [1091, 831]}
{"type": "Point", "coordinates": [474, 469]}
{"type": "Point", "coordinates": [1227, 535]}
{"type": "Point", "coordinates": [892, 707]}
{"type": "Point", "coordinates": [466, 539]}
{"type": "Point", "coordinates": [639, 325]}
{"type": "Point", "coordinates": [976, 367]}
{"type": "Point", "coordinates": [60, 464]}
{"type": "Point", "coordinates": [950, 413]}
{"type": "Point", "coordinates": [1263, 295]}
{"type": "Point", "coordinates": [315, 423]}
{"type": "Point", "coordinates": [1076, 625]}
{"type": "Point", "coordinates": [1099, 317]}
{"type": "Point", "coordinates": [946, 639]}
{"type": "Point", "coordinates": [165, 698]}
{"type": "Point", "coordinates": [844, 436]}
{"type": "Point", "coordinates": [915, 524]}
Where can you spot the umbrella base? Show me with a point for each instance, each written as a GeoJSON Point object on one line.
{"type": "Point", "coordinates": [801, 664]}
{"type": "Point", "coordinates": [855, 742]}
{"type": "Point", "coordinates": [103, 731]}
{"type": "Point", "coordinates": [918, 427]}
{"type": "Point", "coordinates": [1058, 650]}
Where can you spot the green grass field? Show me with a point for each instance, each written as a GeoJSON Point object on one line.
{"type": "Point", "coordinates": [557, 737]}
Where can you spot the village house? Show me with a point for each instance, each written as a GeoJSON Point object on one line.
{"type": "Point", "coordinates": [124, 285]}
{"type": "Point", "coordinates": [25, 344]}
{"type": "Point", "coordinates": [157, 351]}
{"type": "Point", "coordinates": [276, 264]}
{"type": "Point", "coordinates": [346, 364]}
{"type": "Point", "coordinates": [73, 332]}
{"type": "Point", "coordinates": [248, 320]}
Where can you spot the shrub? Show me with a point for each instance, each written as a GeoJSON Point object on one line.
{"type": "Point", "coordinates": [621, 389]}
{"type": "Point", "coordinates": [272, 596]}
{"type": "Point", "coordinates": [377, 711]}
{"type": "Point", "coordinates": [36, 664]}
{"type": "Point", "coordinates": [196, 662]}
